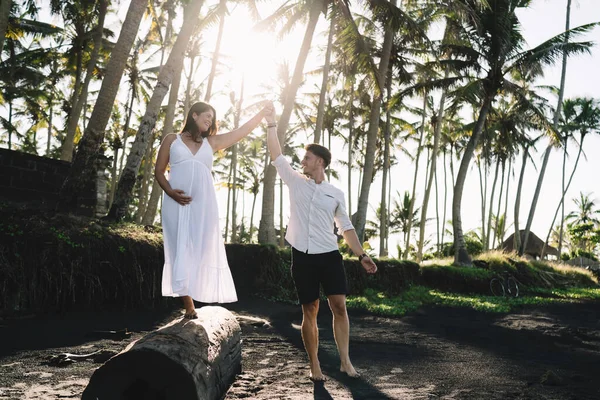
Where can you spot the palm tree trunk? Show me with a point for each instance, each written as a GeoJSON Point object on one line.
{"type": "Point", "coordinates": [266, 230]}
{"type": "Point", "coordinates": [126, 130]}
{"type": "Point", "coordinates": [229, 184]}
{"type": "Point", "coordinates": [491, 208]}
{"type": "Point", "coordinates": [350, 139]}
{"type": "Point", "coordinates": [5, 6]}
{"type": "Point", "coordinates": [461, 257]}
{"type": "Point", "coordinates": [10, 125]}
{"type": "Point", "coordinates": [83, 169]}
{"type": "Point", "coordinates": [369, 163]}
{"type": "Point", "coordinates": [445, 200]}
{"type": "Point", "coordinates": [50, 126]}
{"type": "Point", "coordinates": [323, 92]}
{"type": "Point", "coordinates": [501, 239]}
{"type": "Point", "coordinates": [145, 180]}
{"type": "Point", "coordinates": [517, 244]}
{"type": "Point", "coordinates": [113, 173]}
{"type": "Point", "coordinates": [483, 197]}
{"type": "Point", "coordinates": [152, 207]}
{"type": "Point", "coordinates": [66, 152]}
{"type": "Point", "coordinates": [215, 57]}
{"type": "Point", "coordinates": [437, 211]}
{"type": "Point", "coordinates": [561, 93]}
{"type": "Point", "coordinates": [414, 188]}
{"type": "Point", "coordinates": [281, 228]}
{"type": "Point", "coordinates": [128, 177]}
{"type": "Point", "coordinates": [251, 233]}
{"type": "Point", "coordinates": [234, 155]}
{"type": "Point", "coordinates": [436, 144]}
{"type": "Point", "coordinates": [565, 189]}
{"type": "Point", "coordinates": [499, 204]}
{"type": "Point", "coordinates": [188, 91]}
{"type": "Point", "coordinates": [383, 222]}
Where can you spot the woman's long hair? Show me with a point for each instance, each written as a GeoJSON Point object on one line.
{"type": "Point", "coordinates": [192, 128]}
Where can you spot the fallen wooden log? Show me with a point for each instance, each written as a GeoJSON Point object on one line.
{"type": "Point", "coordinates": [186, 359]}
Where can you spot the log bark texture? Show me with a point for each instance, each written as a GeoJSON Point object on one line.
{"type": "Point", "coordinates": [186, 359]}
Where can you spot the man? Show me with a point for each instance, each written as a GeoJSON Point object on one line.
{"type": "Point", "coordinates": [314, 206]}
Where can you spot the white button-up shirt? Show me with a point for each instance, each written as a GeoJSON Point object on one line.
{"type": "Point", "coordinates": [313, 210]}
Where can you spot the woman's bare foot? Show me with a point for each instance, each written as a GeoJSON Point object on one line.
{"type": "Point", "coordinates": [349, 370]}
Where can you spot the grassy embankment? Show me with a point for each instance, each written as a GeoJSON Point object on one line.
{"type": "Point", "coordinates": [60, 263]}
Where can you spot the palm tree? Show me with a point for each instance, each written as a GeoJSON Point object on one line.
{"type": "Point", "coordinates": [5, 6]}
{"type": "Point", "coordinates": [369, 161]}
{"type": "Point", "coordinates": [403, 219]}
{"type": "Point", "coordinates": [152, 206]}
{"type": "Point", "coordinates": [22, 72]}
{"type": "Point", "coordinates": [492, 47]}
{"type": "Point", "coordinates": [325, 79]}
{"type": "Point", "coordinates": [582, 115]}
{"type": "Point", "coordinates": [557, 114]}
{"type": "Point", "coordinates": [586, 210]}
{"type": "Point", "coordinates": [314, 8]}
{"type": "Point", "coordinates": [80, 91]}
{"type": "Point", "coordinates": [127, 180]}
{"type": "Point", "coordinates": [83, 169]}
{"type": "Point", "coordinates": [222, 12]}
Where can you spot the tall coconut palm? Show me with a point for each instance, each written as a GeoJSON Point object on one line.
{"type": "Point", "coordinates": [493, 49]}
{"type": "Point", "coordinates": [325, 80]}
{"type": "Point", "coordinates": [5, 6]}
{"type": "Point", "coordinates": [586, 212]}
{"type": "Point", "coordinates": [313, 8]}
{"type": "Point", "coordinates": [127, 181]}
{"type": "Point", "coordinates": [551, 144]}
{"type": "Point", "coordinates": [83, 169]}
{"type": "Point", "coordinates": [372, 134]}
{"type": "Point", "coordinates": [152, 206]}
{"type": "Point", "coordinates": [80, 97]}
{"type": "Point", "coordinates": [22, 72]}
{"type": "Point", "coordinates": [586, 120]}
{"type": "Point", "coordinates": [222, 12]}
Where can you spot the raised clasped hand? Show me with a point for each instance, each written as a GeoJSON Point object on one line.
{"type": "Point", "coordinates": [269, 111]}
{"type": "Point", "coordinates": [180, 197]}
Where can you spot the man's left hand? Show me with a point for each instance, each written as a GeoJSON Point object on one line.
{"type": "Point", "coordinates": [368, 265]}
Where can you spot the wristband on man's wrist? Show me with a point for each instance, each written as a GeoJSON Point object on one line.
{"type": "Point", "coordinates": [363, 255]}
{"type": "Point", "coordinates": [271, 124]}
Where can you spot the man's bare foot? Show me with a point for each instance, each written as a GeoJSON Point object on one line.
{"type": "Point", "coordinates": [190, 315]}
{"type": "Point", "coordinates": [349, 370]}
{"type": "Point", "coordinates": [316, 375]}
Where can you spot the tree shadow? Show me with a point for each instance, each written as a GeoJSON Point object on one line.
{"type": "Point", "coordinates": [561, 343]}
{"type": "Point", "coordinates": [320, 391]}
{"type": "Point", "coordinates": [76, 328]}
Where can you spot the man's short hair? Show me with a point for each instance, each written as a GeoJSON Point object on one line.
{"type": "Point", "coordinates": [320, 151]}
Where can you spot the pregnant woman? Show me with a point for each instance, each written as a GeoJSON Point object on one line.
{"type": "Point", "coordinates": [196, 265]}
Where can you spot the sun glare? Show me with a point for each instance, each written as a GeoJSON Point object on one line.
{"type": "Point", "coordinates": [248, 54]}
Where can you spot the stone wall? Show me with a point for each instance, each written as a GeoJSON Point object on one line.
{"type": "Point", "coordinates": [33, 181]}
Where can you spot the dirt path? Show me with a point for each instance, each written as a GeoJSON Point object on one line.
{"type": "Point", "coordinates": [438, 353]}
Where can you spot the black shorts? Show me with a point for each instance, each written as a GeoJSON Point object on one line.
{"type": "Point", "coordinates": [310, 271]}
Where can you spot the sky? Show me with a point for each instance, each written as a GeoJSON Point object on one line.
{"type": "Point", "coordinates": [255, 56]}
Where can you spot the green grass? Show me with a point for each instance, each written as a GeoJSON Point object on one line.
{"type": "Point", "coordinates": [417, 296]}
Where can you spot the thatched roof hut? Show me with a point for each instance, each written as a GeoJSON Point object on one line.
{"type": "Point", "coordinates": [534, 245]}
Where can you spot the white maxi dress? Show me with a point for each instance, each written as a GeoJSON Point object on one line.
{"type": "Point", "coordinates": [195, 260]}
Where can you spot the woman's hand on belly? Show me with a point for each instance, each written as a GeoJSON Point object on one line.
{"type": "Point", "coordinates": [179, 196]}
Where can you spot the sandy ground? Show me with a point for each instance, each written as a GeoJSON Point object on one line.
{"type": "Point", "coordinates": [550, 352]}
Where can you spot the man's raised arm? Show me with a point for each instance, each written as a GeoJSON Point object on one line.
{"type": "Point", "coordinates": [272, 140]}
